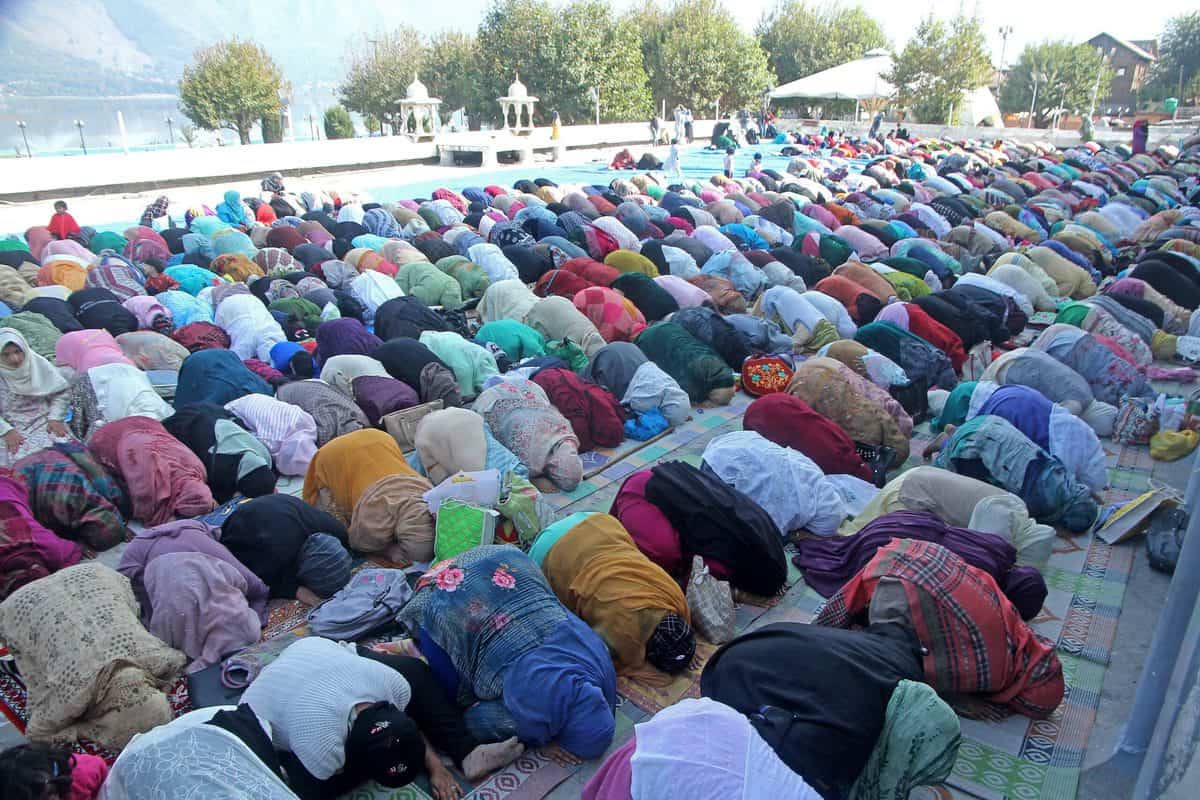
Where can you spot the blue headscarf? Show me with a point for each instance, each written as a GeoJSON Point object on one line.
{"type": "Point", "coordinates": [218, 377]}
{"type": "Point", "coordinates": [232, 211]}
{"type": "Point", "coordinates": [185, 309]}
{"type": "Point", "coordinates": [381, 223]}
{"type": "Point", "coordinates": [282, 355]}
{"type": "Point", "coordinates": [565, 690]}
{"type": "Point", "coordinates": [193, 279]}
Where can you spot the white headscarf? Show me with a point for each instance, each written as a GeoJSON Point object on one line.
{"type": "Point", "coordinates": [706, 749]}
{"type": "Point", "coordinates": [125, 391]}
{"type": "Point", "coordinates": [36, 377]}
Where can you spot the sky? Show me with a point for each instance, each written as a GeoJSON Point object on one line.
{"type": "Point", "coordinates": [1031, 20]}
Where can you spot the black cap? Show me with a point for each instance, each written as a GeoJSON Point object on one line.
{"type": "Point", "coordinates": [386, 745]}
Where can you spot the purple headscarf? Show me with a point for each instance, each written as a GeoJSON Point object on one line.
{"type": "Point", "coordinates": [345, 337]}
{"type": "Point", "coordinates": [828, 564]}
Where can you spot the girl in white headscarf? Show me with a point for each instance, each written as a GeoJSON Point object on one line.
{"type": "Point", "coordinates": [33, 399]}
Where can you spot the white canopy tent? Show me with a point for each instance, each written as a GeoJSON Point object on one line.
{"type": "Point", "coordinates": [860, 79]}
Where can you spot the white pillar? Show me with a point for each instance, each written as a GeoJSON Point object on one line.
{"type": "Point", "coordinates": [121, 128]}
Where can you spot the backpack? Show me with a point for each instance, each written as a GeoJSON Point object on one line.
{"type": "Point", "coordinates": [765, 375]}
{"type": "Point", "coordinates": [371, 600]}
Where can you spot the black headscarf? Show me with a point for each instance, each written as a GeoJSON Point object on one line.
{"type": "Point", "coordinates": [530, 263]}
{"type": "Point", "coordinates": [310, 255]}
{"type": "Point", "coordinates": [99, 308]}
{"type": "Point", "coordinates": [400, 316]}
{"type": "Point", "coordinates": [824, 714]}
{"type": "Point", "coordinates": [1168, 281]}
{"type": "Point", "coordinates": [57, 311]}
{"type": "Point", "coordinates": [996, 304]}
{"type": "Point", "coordinates": [267, 533]}
{"type": "Point", "coordinates": [714, 520]}
{"type": "Point", "coordinates": [711, 328]}
{"type": "Point", "coordinates": [434, 249]}
{"type": "Point", "coordinates": [15, 258]}
{"type": "Point", "coordinates": [809, 268]}
{"type": "Point", "coordinates": [405, 358]}
{"type": "Point", "coordinates": [194, 424]}
{"type": "Point", "coordinates": [956, 314]}
{"type": "Point", "coordinates": [652, 300]}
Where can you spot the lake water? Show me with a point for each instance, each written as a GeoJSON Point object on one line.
{"type": "Point", "coordinates": [50, 122]}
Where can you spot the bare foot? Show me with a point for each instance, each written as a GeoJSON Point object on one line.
{"type": "Point", "coordinates": [487, 758]}
{"type": "Point", "coordinates": [443, 784]}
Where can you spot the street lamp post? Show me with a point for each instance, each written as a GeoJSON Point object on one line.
{"type": "Point", "coordinates": [1005, 32]}
{"type": "Point", "coordinates": [21, 125]}
{"type": "Point", "coordinates": [1038, 77]}
{"type": "Point", "coordinates": [82, 144]}
{"type": "Point", "coordinates": [170, 128]}
{"type": "Point", "coordinates": [1099, 71]}
{"type": "Point", "coordinates": [594, 94]}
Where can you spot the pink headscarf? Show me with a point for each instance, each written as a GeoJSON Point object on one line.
{"type": "Point", "coordinates": [37, 238]}
{"type": "Point", "coordinates": [164, 477]}
{"type": "Point", "coordinates": [82, 350]}
{"type": "Point", "coordinates": [895, 313]}
{"type": "Point", "coordinates": [146, 309]}
{"type": "Point", "coordinates": [67, 247]}
{"type": "Point", "coordinates": [198, 605]}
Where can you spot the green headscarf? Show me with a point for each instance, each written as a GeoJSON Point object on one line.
{"type": "Point", "coordinates": [516, 339]}
{"type": "Point", "coordinates": [470, 276]}
{"type": "Point", "coordinates": [39, 331]}
{"type": "Point", "coordinates": [107, 240]}
{"type": "Point", "coordinates": [11, 243]}
{"type": "Point", "coordinates": [907, 286]}
{"type": "Point", "coordinates": [1073, 314]}
{"type": "Point", "coordinates": [834, 250]}
{"type": "Point", "coordinates": [955, 410]}
{"type": "Point", "coordinates": [917, 747]}
{"type": "Point", "coordinates": [305, 311]}
{"type": "Point", "coordinates": [910, 266]}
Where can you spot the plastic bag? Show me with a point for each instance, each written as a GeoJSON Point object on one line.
{"type": "Point", "coordinates": [1173, 445]}
{"type": "Point", "coordinates": [710, 602]}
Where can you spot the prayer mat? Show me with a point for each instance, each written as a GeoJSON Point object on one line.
{"type": "Point", "coordinates": [630, 456]}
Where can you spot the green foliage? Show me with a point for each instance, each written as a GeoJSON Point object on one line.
{"type": "Point", "coordinates": [1179, 47]}
{"type": "Point", "coordinates": [559, 54]}
{"type": "Point", "coordinates": [272, 129]}
{"type": "Point", "coordinates": [231, 85]}
{"type": "Point", "coordinates": [938, 64]}
{"type": "Point", "coordinates": [1070, 73]}
{"type": "Point", "coordinates": [338, 124]}
{"type": "Point", "coordinates": [696, 54]}
{"type": "Point", "coordinates": [379, 72]}
{"type": "Point", "coordinates": [451, 71]}
{"type": "Point", "coordinates": [800, 38]}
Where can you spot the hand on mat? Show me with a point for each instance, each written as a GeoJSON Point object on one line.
{"type": "Point", "coordinates": [564, 758]}
{"type": "Point", "coordinates": [57, 429]}
{"type": "Point", "coordinates": [13, 440]}
{"type": "Point", "coordinates": [443, 784]}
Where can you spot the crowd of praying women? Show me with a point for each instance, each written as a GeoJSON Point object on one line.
{"type": "Point", "coordinates": [163, 385]}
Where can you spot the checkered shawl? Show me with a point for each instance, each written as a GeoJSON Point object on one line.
{"type": "Point", "coordinates": [974, 638]}
{"type": "Point", "coordinates": [72, 495]}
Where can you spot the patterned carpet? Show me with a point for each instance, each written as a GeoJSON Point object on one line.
{"type": "Point", "coordinates": [1002, 756]}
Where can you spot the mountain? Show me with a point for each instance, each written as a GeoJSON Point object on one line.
{"type": "Point", "coordinates": [92, 48]}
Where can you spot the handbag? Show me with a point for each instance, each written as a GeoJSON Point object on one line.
{"type": "Point", "coordinates": [460, 527]}
{"type": "Point", "coordinates": [402, 425]}
{"type": "Point", "coordinates": [710, 602]}
{"type": "Point", "coordinates": [1136, 422]}
{"type": "Point", "coordinates": [979, 358]}
{"type": "Point", "coordinates": [371, 600]}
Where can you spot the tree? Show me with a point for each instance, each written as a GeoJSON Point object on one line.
{"type": "Point", "coordinates": [1178, 49]}
{"type": "Point", "coordinates": [800, 39]}
{"type": "Point", "coordinates": [560, 54]}
{"type": "Point", "coordinates": [1070, 76]}
{"type": "Point", "coordinates": [451, 71]}
{"type": "Point", "coordinates": [938, 65]}
{"type": "Point", "coordinates": [231, 85]}
{"type": "Point", "coordinates": [377, 76]}
{"type": "Point", "coordinates": [696, 54]}
{"type": "Point", "coordinates": [338, 124]}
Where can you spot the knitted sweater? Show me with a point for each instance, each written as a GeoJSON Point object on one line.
{"type": "Point", "coordinates": [307, 695]}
